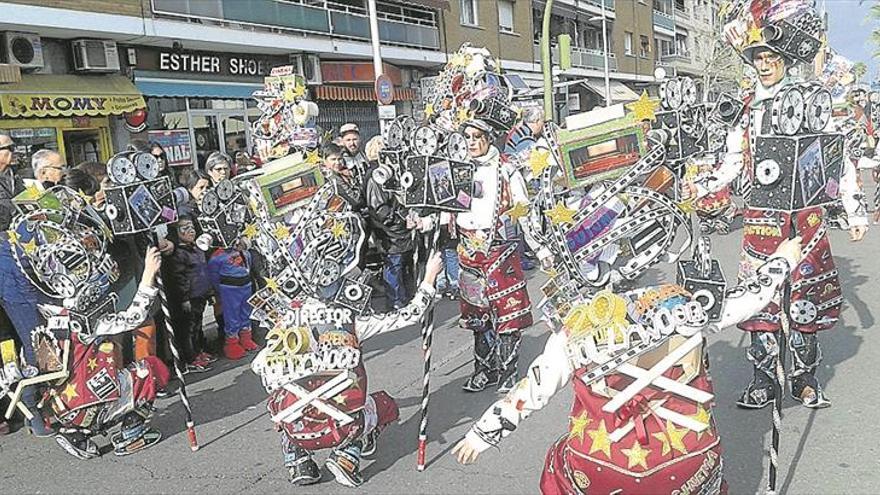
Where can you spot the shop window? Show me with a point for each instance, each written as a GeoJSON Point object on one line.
{"type": "Point", "coordinates": [166, 114]}
{"type": "Point", "coordinates": [30, 140]}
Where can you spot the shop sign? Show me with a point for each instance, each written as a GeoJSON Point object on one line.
{"type": "Point", "coordinates": [348, 72]}
{"type": "Point", "coordinates": [214, 64]}
{"type": "Point", "coordinates": [176, 144]}
{"type": "Point", "coordinates": [43, 105]}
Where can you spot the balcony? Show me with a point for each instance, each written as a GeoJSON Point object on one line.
{"type": "Point", "coordinates": [609, 4]}
{"type": "Point", "coordinates": [582, 58]}
{"type": "Point", "coordinates": [676, 57]}
{"type": "Point", "coordinates": [664, 21]}
{"type": "Point", "coordinates": [399, 24]}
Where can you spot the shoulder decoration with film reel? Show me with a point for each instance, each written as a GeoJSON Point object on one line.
{"type": "Point", "coordinates": [60, 244]}
{"type": "Point", "coordinates": [798, 165]}
{"type": "Point", "coordinates": [224, 215]}
{"type": "Point", "coordinates": [287, 123]}
{"type": "Point", "coordinates": [138, 199]}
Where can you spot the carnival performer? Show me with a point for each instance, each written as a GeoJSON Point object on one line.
{"type": "Point", "coordinates": [816, 294]}
{"type": "Point", "coordinates": [636, 449]}
{"type": "Point", "coordinates": [95, 392]}
{"type": "Point", "coordinates": [495, 304]}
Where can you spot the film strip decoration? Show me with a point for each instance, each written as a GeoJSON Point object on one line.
{"type": "Point", "coordinates": [287, 123]}
{"type": "Point", "coordinates": [139, 199]}
{"type": "Point", "coordinates": [224, 213]}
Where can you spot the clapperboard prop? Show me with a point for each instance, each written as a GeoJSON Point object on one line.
{"type": "Point", "coordinates": [139, 199]}
{"type": "Point", "coordinates": [702, 277]}
{"type": "Point", "coordinates": [224, 214]}
{"type": "Point", "coordinates": [437, 183]}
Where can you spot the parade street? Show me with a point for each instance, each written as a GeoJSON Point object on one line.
{"type": "Point", "coordinates": [822, 451]}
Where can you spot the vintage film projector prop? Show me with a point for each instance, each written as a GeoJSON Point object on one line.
{"type": "Point", "coordinates": [702, 277]}
{"type": "Point", "coordinates": [139, 199]}
{"type": "Point", "coordinates": [798, 166]}
{"type": "Point", "coordinates": [687, 128]}
{"type": "Point", "coordinates": [224, 214]}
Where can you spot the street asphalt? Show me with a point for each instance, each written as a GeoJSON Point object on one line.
{"type": "Point", "coordinates": [830, 451]}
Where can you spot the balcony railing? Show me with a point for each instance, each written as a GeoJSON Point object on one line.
{"type": "Point", "coordinates": [664, 21]}
{"type": "Point", "coordinates": [609, 4]}
{"type": "Point", "coordinates": [582, 58]}
{"type": "Point", "coordinates": [676, 57]}
{"type": "Point", "coordinates": [398, 24]}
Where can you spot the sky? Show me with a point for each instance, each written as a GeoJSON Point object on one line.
{"type": "Point", "coordinates": [849, 31]}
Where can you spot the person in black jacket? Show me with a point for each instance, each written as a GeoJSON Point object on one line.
{"type": "Point", "coordinates": [10, 183]}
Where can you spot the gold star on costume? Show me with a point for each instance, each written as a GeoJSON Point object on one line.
{"type": "Point", "coordinates": [271, 284]}
{"type": "Point", "coordinates": [312, 157]}
{"type": "Point", "coordinates": [282, 232]}
{"type": "Point", "coordinates": [463, 115]}
{"type": "Point", "coordinates": [288, 94]}
{"type": "Point", "coordinates": [600, 439]}
{"type": "Point", "coordinates": [636, 455]}
{"type": "Point", "coordinates": [457, 60]}
{"type": "Point", "coordinates": [250, 231]}
{"type": "Point", "coordinates": [643, 108]}
{"type": "Point", "coordinates": [339, 399]}
{"type": "Point", "coordinates": [560, 214]}
{"type": "Point", "coordinates": [579, 426]}
{"type": "Point", "coordinates": [539, 160]}
{"type": "Point", "coordinates": [754, 35]}
{"type": "Point", "coordinates": [429, 110]}
{"type": "Point", "coordinates": [30, 247]}
{"type": "Point", "coordinates": [299, 91]}
{"type": "Point", "coordinates": [93, 363]}
{"type": "Point", "coordinates": [33, 192]}
{"type": "Point", "coordinates": [687, 207]}
{"type": "Point", "coordinates": [13, 236]}
{"type": "Point", "coordinates": [518, 211]}
{"type": "Point", "coordinates": [338, 230]}
{"type": "Point", "coordinates": [110, 360]}
{"type": "Point", "coordinates": [671, 437]}
{"type": "Point", "coordinates": [703, 416]}
{"type": "Point", "coordinates": [70, 391]}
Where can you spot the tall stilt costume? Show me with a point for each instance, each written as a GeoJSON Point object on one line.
{"type": "Point", "coordinates": [317, 311]}
{"type": "Point", "coordinates": [641, 421]}
{"type": "Point", "coordinates": [786, 149]}
{"type": "Point", "coordinates": [61, 245]}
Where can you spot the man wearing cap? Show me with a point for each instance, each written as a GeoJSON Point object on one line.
{"type": "Point", "coordinates": [354, 157]}
{"type": "Point", "coordinates": [494, 302]}
{"type": "Point", "coordinates": [815, 295]}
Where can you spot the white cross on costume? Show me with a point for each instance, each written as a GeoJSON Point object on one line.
{"type": "Point", "coordinates": [316, 398]}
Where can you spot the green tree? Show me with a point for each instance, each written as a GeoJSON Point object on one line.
{"type": "Point", "coordinates": [859, 70]}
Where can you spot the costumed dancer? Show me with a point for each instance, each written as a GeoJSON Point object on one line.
{"type": "Point", "coordinates": [641, 421]}
{"type": "Point", "coordinates": [62, 249]}
{"type": "Point", "coordinates": [816, 295]}
{"type": "Point", "coordinates": [316, 308]}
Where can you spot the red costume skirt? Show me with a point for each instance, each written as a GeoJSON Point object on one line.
{"type": "Point", "coordinates": [493, 290]}
{"type": "Point", "coordinates": [816, 295]}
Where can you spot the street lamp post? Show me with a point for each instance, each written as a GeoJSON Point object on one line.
{"type": "Point", "coordinates": [605, 54]}
{"type": "Point", "coordinates": [377, 53]}
{"type": "Point", "coordinates": [546, 61]}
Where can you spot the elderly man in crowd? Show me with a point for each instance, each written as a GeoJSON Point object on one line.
{"type": "Point", "coordinates": [48, 166]}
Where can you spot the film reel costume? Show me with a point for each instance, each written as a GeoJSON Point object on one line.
{"type": "Point", "coordinates": [317, 311]}
{"type": "Point", "coordinates": [792, 167]}
{"type": "Point", "coordinates": [641, 421]}
{"type": "Point", "coordinates": [62, 248]}
{"type": "Point", "coordinates": [487, 195]}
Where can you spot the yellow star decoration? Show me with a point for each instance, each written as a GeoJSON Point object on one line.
{"type": "Point", "coordinates": [703, 416]}
{"type": "Point", "coordinates": [457, 60]}
{"type": "Point", "coordinates": [643, 108]}
{"type": "Point", "coordinates": [518, 211]}
{"type": "Point", "coordinates": [338, 230]}
{"type": "Point", "coordinates": [560, 214]}
{"type": "Point", "coordinates": [313, 158]}
{"type": "Point", "coordinates": [754, 35]}
{"type": "Point", "coordinates": [30, 247]}
{"type": "Point", "coordinates": [539, 160]}
{"type": "Point", "coordinates": [687, 207]}
{"type": "Point", "coordinates": [299, 91]}
{"type": "Point", "coordinates": [13, 236]}
{"type": "Point", "coordinates": [601, 441]}
{"type": "Point", "coordinates": [271, 284]}
{"type": "Point", "coordinates": [288, 94]}
{"type": "Point", "coordinates": [70, 391]}
{"type": "Point", "coordinates": [463, 114]}
{"type": "Point", "coordinates": [282, 232]}
{"type": "Point", "coordinates": [33, 191]}
{"type": "Point", "coordinates": [339, 399]}
{"type": "Point", "coordinates": [579, 426]}
{"type": "Point", "coordinates": [429, 110]}
{"type": "Point", "coordinates": [251, 231]}
{"type": "Point", "coordinates": [671, 439]}
{"type": "Point", "coordinates": [636, 455]}
{"type": "Point", "coordinates": [93, 363]}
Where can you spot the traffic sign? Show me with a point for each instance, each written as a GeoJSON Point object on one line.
{"type": "Point", "coordinates": [384, 90]}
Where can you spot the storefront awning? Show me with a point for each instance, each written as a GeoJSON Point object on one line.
{"type": "Point", "coordinates": [619, 91]}
{"type": "Point", "coordinates": [69, 95]}
{"type": "Point", "coordinates": [150, 86]}
{"type": "Point", "coordinates": [345, 93]}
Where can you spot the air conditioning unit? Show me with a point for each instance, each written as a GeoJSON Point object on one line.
{"type": "Point", "coordinates": [24, 50]}
{"type": "Point", "coordinates": [308, 66]}
{"type": "Point", "coordinates": [95, 56]}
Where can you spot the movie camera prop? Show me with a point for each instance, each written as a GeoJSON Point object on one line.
{"type": "Point", "coordinates": [138, 199]}
{"type": "Point", "coordinates": [702, 277]}
{"type": "Point", "coordinates": [797, 165]}
{"type": "Point", "coordinates": [224, 214]}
